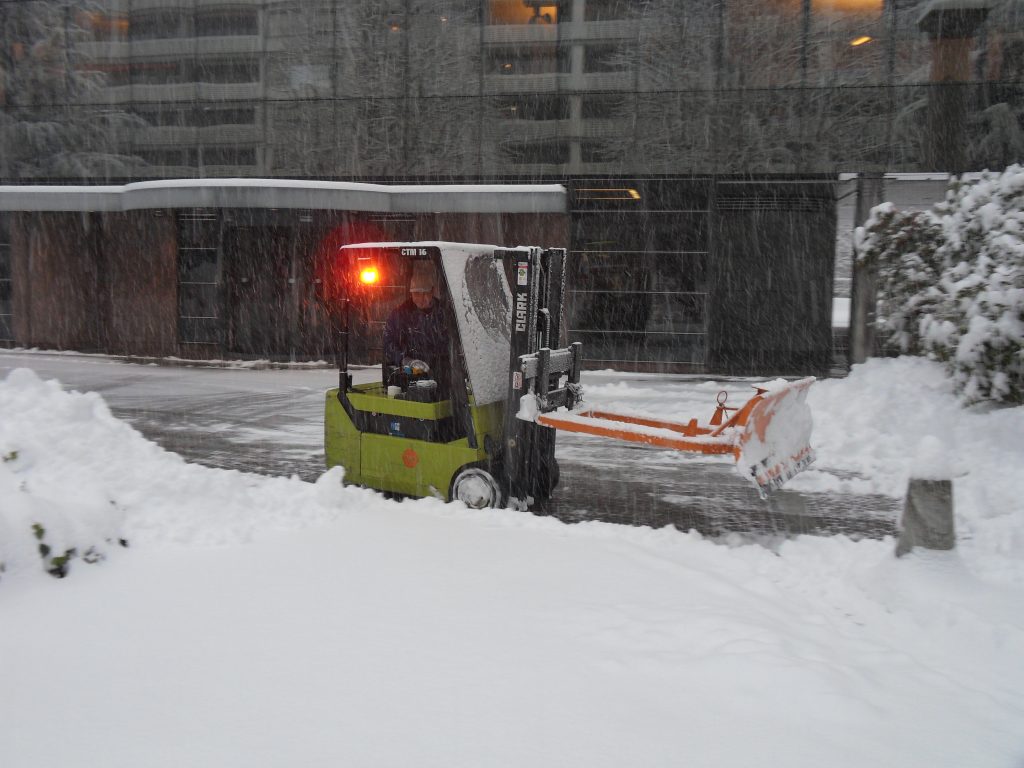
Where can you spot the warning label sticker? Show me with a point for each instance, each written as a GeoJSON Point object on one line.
{"type": "Point", "coordinates": [522, 271]}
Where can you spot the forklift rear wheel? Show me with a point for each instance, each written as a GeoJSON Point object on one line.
{"type": "Point", "coordinates": [476, 488]}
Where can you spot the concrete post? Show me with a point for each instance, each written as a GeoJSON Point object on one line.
{"type": "Point", "coordinates": [870, 192]}
{"type": "Point", "coordinates": [927, 516]}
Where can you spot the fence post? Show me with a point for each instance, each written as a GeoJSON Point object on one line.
{"type": "Point", "coordinates": [870, 192]}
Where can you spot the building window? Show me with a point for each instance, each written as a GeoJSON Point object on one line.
{"type": "Point", "coordinates": [538, 153]}
{"type": "Point", "coordinates": [169, 157]}
{"type": "Point", "coordinates": [110, 74]}
{"type": "Point", "coordinates": [104, 26]}
{"type": "Point", "coordinates": [229, 156]}
{"type": "Point", "coordinates": [604, 58]}
{"type": "Point", "coordinates": [209, 71]}
{"type": "Point", "coordinates": [229, 71]}
{"type": "Point", "coordinates": [159, 72]}
{"type": "Point", "coordinates": [204, 117]}
{"type": "Point", "coordinates": [227, 23]}
{"type": "Point", "coordinates": [527, 11]}
{"type": "Point", "coordinates": [200, 117]}
{"type": "Point", "coordinates": [162, 117]}
{"type": "Point", "coordinates": [160, 25]}
{"type": "Point", "coordinates": [163, 25]}
{"type": "Point", "coordinates": [603, 107]}
{"type": "Point", "coordinates": [608, 10]}
{"type": "Point", "coordinates": [534, 107]}
{"type": "Point", "coordinates": [592, 151]}
{"type": "Point", "coordinates": [188, 157]}
{"type": "Point", "coordinates": [528, 60]}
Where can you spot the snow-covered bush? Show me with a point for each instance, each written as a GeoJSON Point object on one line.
{"type": "Point", "coordinates": [984, 246]}
{"type": "Point", "coordinates": [951, 282]}
{"type": "Point", "coordinates": [903, 246]}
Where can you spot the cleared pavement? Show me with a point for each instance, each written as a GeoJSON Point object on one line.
{"type": "Point", "coordinates": [271, 422]}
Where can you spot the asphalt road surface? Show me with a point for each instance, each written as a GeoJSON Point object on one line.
{"type": "Point", "coordinates": [270, 421]}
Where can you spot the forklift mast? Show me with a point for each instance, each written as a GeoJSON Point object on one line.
{"type": "Point", "coordinates": [542, 377]}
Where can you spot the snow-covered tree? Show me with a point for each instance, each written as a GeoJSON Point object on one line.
{"type": "Point", "coordinates": [50, 125]}
{"type": "Point", "coordinates": [903, 248]}
{"type": "Point", "coordinates": [952, 282]}
{"type": "Point", "coordinates": [983, 226]}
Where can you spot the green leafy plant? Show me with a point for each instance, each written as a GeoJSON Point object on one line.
{"type": "Point", "coordinates": [58, 565]}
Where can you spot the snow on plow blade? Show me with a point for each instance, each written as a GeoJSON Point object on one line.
{"type": "Point", "coordinates": [775, 442]}
{"type": "Point", "coordinates": [769, 436]}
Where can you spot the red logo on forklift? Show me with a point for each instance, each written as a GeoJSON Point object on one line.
{"type": "Point", "coordinates": [410, 458]}
{"type": "Point", "coordinates": [520, 311]}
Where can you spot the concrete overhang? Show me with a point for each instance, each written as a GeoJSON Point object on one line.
{"type": "Point", "coordinates": [289, 194]}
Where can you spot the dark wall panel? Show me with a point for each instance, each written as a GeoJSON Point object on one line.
{"type": "Point", "coordinates": [548, 230]}
{"type": "Point", "coordinates": [261, 307]}
{"type": "Point", "coordinates": [56, 273]}
{"type": "Point", "coordinates": [138, 278]}
{"type": "Point", "coordinates": [771, 268]}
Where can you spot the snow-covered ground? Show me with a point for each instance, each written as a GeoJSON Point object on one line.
{"type": "Point", "coordinates": [257, 621]}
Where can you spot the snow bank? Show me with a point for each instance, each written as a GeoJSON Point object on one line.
{"type": "Point", "coordinates": [331, 627]}
{"type": "Point", "coordinates": [875, 429]}
{"type": "Point", "coordinates": [869, 433]}
{"type": "Point", "coordinates": [90, 479]}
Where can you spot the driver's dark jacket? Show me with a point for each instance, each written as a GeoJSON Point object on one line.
{"type": "Point", "coordinates": [417, 334]}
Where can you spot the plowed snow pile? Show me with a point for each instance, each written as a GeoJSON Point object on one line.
{"type": "Point", "coordinates": [254, 621]}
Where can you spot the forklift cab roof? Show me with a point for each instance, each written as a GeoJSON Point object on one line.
{"type": "Point", "coordinates": [481, 301]}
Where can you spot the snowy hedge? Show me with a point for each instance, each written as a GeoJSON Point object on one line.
{"type": "Point", "coordinates": [951, 282]}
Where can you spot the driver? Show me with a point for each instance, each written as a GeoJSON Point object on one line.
{"type": "Point", "coordinates": [415, 336]}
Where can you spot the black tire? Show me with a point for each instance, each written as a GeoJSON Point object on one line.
{"type": "Point", "coordinates": [476, 488]}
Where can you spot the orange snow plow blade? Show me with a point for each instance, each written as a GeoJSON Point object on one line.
{"type": "Point", "coordinates": [769, 436]}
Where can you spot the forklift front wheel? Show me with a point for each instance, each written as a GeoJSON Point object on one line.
{"type": "Point", "coordinates": [476, 488]}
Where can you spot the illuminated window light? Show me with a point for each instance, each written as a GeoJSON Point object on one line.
{"type": "Point", "coordinates": [858, 41]}
{"type": "Point", "coordinates": [611, 193]}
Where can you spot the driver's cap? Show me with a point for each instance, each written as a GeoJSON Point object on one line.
{"type": "Point", "coordinates": [424, 278]}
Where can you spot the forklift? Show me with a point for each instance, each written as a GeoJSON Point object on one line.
{"type": "Point", "coordinates": [482, 430]}
{"type": "Point", "coordinates": [397, 435]}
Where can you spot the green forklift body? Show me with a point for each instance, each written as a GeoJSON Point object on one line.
{"type": "Point", "coordinates": [402, 461]}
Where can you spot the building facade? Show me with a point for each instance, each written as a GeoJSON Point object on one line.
{"type": "Point", "coordinates": [700, 143]}
{"type": "Point", "coordinates": [397, 89]}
